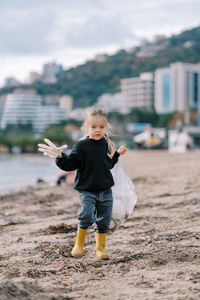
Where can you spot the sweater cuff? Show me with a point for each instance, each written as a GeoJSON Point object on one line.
{"type": "Point", "coordinates": [62, 155]}
{"type": "Point", "coordinates": [116, 154]}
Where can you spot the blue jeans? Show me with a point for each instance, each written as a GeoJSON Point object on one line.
{"type": "Point", "coordinates": [96, 208]}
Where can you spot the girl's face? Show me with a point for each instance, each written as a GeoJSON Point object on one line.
{"type": "Point", "coordinates": [96, 127]}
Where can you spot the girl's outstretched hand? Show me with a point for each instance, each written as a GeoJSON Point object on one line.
{"type": "Point", "coordinates": [122, 150]}
{"type": "Point", "coordinates": [50, 149]}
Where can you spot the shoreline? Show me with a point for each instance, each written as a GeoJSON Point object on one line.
{"type": "Point", "coordinates": [31, 155]}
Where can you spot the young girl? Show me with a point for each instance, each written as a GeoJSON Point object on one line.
{"type": "Point", "coordinates": [92, 157]}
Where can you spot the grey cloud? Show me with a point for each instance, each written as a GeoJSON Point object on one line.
{"type": "Point", "coordinates": [99, 31]}
{"type": "Point", "coordinates": [25, 32]}
{"type": "Point", "coordinates": [31, 27]}
{"type": "Point", "coordinates": [157, 16]}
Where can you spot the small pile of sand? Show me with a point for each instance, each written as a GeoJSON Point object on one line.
{"type": "Point", "coordinates": [24, 290]}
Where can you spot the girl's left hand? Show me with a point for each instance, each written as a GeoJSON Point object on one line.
{"type": "Point", "coordinates": [122, 150]}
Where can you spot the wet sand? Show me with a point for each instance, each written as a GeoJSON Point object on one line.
{"type": "Point", "coordinates": [155, 254]}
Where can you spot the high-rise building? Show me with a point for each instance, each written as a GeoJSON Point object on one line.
{"type": "Point", "coordinates": [138, 92]}
{"type": "Point", "coordinates": [177, 88]}
{"type": "Point", "coordinates": [50, 71]}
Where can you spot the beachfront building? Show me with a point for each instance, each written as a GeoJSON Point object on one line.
{"type": "Point", "coordinates": [25, 107]}
{"type": "Point", "coordinates": [138, 92]}
{"type": "Point", "coordinates": [177, 88]}
{"type": "Point", "coordinates": [110, 102]}
{"type": "Point", "coordinates": [21, 107]}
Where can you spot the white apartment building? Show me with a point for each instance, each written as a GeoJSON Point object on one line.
{"type": "Point", "coordinates": [110, 102]}
{"type": "Point", "coordinates": [177, 88]}
{"type": "Point", "coordinates": [138, 92]}
{"type": "Point", "coordinates": [21, 107]}
{"type": "Point", "coordinates": [26, 107]}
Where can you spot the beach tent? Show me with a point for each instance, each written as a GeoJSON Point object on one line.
{"type": "Point", "coordinates": [179, 142]}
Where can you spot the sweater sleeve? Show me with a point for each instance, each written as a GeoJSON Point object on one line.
{"type": "Point", "coordinates": [70, 162]}
{"type": "Point", "coordinates": [114, 159]}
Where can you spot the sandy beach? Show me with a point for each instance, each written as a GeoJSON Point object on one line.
{"type": "Point", "coordinates": [155, 254]}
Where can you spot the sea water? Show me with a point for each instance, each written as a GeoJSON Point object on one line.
{"type": "Point", "coordinates": [17, 171]}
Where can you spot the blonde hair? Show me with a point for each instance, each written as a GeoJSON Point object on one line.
{"type": "Point", "coordinates": [97, 112]}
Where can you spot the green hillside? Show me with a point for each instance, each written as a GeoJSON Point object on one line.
{"type": "Point", "coordinates": [86, 82]}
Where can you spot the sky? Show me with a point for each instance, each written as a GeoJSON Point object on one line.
{"type": "Point", "coordinates": [70, 32]}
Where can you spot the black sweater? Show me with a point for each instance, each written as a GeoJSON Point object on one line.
{"type": "Point", "coordinates": [90, 158]}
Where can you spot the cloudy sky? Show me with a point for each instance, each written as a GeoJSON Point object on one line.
{"type": "Point", "coordinates": [33, 32]}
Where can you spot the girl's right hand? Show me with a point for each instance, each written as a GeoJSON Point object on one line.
{"type": "Point", "coordinates": [122, 150]}
{"type": "Point", "coordinates": [50, 149]}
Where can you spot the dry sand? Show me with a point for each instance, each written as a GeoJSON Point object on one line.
{"type": "Point", "coordinates": [155, 254]}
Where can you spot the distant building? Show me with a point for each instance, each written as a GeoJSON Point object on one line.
{"type": "Point", "coordinates": [48, 115]}
{"type": "Point", "coordinates": [66, 103]}
{"type": "Point", "coordinates": [51, 99]}
{"type": "Point", "coordinates": [2, 104]}
{"type": "Point", "coordinates": [101, 58]}
{"type": "Point", "coordinates": [78, 114]}
{"type": "Point", "coordinates": [110, 102]}
{"type": "Point", "coordinates": [11, 82]}
{"type": "Point", "coordinates": [148, 49]}
{"type": "Point", "coordinates": [33, 77]}
{"type": "Point", "coordinates": [25, 107]}
{"type": "Point", "coordinates": [50, 71]}
{"type": "Point", "coordinates": [21, 107]}
{"type": "Point", "coordinates": [177, 88]}
{"type": "Point", "coordinates": [138, 92]}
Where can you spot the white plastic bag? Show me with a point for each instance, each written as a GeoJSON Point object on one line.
{"type": "Point", "coordinates": [124, 196]}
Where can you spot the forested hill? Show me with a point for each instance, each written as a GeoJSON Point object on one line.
{"type": "Point", "coordinates": [86, 82]}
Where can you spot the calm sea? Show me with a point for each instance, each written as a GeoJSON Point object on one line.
{"type": "Point", "coordinates": [17, 171]}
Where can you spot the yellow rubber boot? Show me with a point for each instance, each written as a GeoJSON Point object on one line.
{"type": "Point", "coordinates": [77, 251]}
{"type": "Point", "coordinates": [100, 245]}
